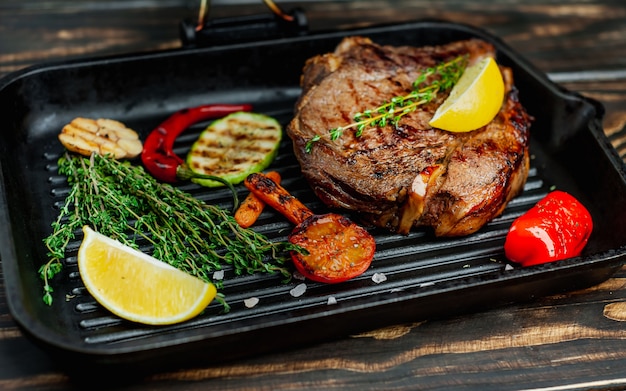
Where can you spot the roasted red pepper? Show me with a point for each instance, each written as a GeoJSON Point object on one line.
{"type": "Point", "coordinates": [557, 227]}
{"type": "Point", "coordinates": [158, 156]}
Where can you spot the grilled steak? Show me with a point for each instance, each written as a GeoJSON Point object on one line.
{"type": "Point", "coordinates": [409, 174]}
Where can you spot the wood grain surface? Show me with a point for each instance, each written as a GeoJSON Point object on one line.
{"type": "Point", "coordinates": [573, 341]}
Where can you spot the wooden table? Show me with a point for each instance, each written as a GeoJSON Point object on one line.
{"type": "Point", "coordinates": [574, 341]}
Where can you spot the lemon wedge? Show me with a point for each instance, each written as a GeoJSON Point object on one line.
{"type": "Point", "coordinates": [474, 100]}
{"type": "Point", "coordinates": [136, 286]}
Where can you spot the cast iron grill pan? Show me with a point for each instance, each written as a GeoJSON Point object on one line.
{"type": "Point", "coordinates": [426, 277]}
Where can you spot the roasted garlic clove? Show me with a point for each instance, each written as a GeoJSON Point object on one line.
{"type": "Point", "coordinates": [102, 136]}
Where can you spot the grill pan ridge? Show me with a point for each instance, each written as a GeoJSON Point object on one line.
{"type": "Point", "coordinates": [426, 277]}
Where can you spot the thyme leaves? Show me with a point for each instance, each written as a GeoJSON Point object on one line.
{"type": "Point", "coordinates": [122, 201]}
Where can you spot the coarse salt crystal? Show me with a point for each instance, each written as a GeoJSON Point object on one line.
{"type": "Point", "coordinates": [298, 290]}
{"type": "Point", "coordinates": [331, 300]}
{"type": "Point", "coordinates": [508, 267]}
{"type": "Point", "coordinates": [218, 275]}
{"type": "Point", "coordinates": [379, 277]}
{"type": "Point", "coordinates": [251, 302]}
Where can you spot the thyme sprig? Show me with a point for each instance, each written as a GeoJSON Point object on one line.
{"type": "Point", "coordinates": [122, 201]}
{"type": "Point", "coordinates": [425, 88]}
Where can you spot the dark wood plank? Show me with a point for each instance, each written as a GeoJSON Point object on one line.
{"type": "Point", "coordinates": [556, 36]}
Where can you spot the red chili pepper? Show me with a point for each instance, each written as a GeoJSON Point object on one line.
{"type": "Point", "coordinates": [158, 156]}
{"type": "Point", "coordinates": [557, 227]}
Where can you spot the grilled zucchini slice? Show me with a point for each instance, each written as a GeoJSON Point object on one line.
{"type": "Point", "coordinates": [234, 147]}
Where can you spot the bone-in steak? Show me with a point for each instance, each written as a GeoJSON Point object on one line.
{"type": "Point", "coordinates": [406, 175]}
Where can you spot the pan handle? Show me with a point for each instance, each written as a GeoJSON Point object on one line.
{"type": "Point", "coordinates": [240, 29]}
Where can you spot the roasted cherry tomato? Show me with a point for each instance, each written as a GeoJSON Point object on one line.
{"type": "Point", "coordinates": [557, 227]}
{"type": "Point", "coordinates": [336, 248]}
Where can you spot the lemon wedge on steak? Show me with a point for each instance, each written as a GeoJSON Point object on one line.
{"type": "Point", "coordinates": [474, 100]}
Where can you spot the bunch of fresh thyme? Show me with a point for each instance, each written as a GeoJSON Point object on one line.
{"type": "Point", "coordinates": [425, 88]}
{"type": "Point", "coordinates": [122, 201]}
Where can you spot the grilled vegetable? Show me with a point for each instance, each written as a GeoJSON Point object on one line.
{"type": "Point", "coordinates": [233, 147]}
{"type": "Point", "coordinates": [251, 207]}
{"type": "Point", "coordinates": [158, 156]}
{"type": "Point", "coordinates": [336, 248]}
{"type": "Point", "coordinates": [557, 227]}
{"type": "Point", "coordinates": [102, 136]}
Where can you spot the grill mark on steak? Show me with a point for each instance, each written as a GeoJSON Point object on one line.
{"type": "Point", "coordinates": [409, 175]}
